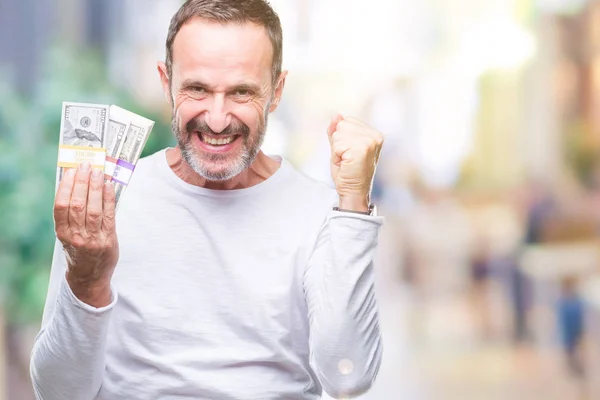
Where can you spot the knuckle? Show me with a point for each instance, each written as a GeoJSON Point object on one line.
{"type": "Point", "coordinates": [94, 215]}
{"type": "Point", "coordinates": [61, 205]}
{"type": "Point", "coordinates": [79, 242]}
{"type": "Point", "coordinates": [108, 225]}
{"type": "Point", "coordinates": [109, 198]}
{"type": "Point", "coordinates": [82, 180]}
{"type": "Point", "coordinates": [109, 217]}
{"type": "Point", "coordinates": [77, 205]}
{"type": "Point", "coordinates": [95, 186]}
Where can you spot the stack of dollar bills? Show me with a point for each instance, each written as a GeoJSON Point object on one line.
{"type": "Point", "coordinates": [108, 137]}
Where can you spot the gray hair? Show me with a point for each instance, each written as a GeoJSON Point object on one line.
{"type": "Point", "coordinates": [258, 12]}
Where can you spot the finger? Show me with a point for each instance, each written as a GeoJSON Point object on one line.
{"type": "Point", "coordinates": [93, 221]}
{"type": "Point", "coordinates": [62, 200]}
{"type": "Point", "coordinates": [357, 122]}
{"type": "Point", "coordinates": [79, 196]}
{"type": "Point", "coordinates": [333, 124]}
{"type": "Point", "coordinates": [109, 203]}
{"type": "Point", "coordinates": [343, 129]}
{"type": "Point", "coordinates": [339, 150]}
{"type": "Point", "coordinates": [349, 127]}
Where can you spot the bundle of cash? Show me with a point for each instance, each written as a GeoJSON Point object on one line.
{"type": "Point", "coordinates": [108, 137]}
{"type": "Point", "coordinates": [83, 136]}
{"type": "Point", "coordinates": [127, 150]}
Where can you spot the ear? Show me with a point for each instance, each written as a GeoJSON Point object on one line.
{"type": "Point", "coordinates": [164, 80]}
{"type": "Point", "coordinates": [278, 91]}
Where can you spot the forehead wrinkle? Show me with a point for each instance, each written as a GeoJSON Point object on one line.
{"type": "Point", "coordinates": [244, 49]}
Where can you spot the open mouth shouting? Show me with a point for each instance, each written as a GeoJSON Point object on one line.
{"type": "Point", "coordinates": [215, 143]}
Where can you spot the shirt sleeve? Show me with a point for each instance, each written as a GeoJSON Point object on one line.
{"type": "Point", "coordinates": [345, 339]}
{"type": "Point", "coordinates": [68, 356]}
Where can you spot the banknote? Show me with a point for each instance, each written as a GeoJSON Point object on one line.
{"type": "Point", "coordinates": [131, 150]}
{"type": "Point", "coordinates": [109, 137]}
{"type": "Point", "coordinates": [118, 125]}
{"type": "Point", "coordinates": [83, 136]}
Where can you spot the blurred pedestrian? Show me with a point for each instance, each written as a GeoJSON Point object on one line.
{"type": "Point", "coordinates": [570, 312]}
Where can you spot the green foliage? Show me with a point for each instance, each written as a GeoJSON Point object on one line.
{"type": "Point", "coordinates": [29, 134]}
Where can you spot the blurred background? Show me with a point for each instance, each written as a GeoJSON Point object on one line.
{"type": "Point", "coordinates": [488, 271]}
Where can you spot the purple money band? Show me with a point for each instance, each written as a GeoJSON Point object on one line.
{"type": "Point", "coordinates": [125, 165]}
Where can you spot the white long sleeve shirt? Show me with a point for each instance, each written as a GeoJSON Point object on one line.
{"type": "Point", "coordinates": [259, 293]}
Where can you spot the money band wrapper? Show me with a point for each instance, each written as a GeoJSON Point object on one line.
{"type": "Point", "coordinates": [123, 172]}
{"type": "Point", "coordinates": [72, 156]}
{"type": "Point", "coordinates": [109, 167]}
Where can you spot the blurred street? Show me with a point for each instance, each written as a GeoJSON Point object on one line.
{"type": "Point", "coordinates": [457, 343]}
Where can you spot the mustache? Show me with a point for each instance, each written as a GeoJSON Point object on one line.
{"type": "Point", "coordinates": [235, 128]}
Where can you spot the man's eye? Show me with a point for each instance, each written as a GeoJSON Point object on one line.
{"type": "Point", "coordinates": [196, 92]}
{"type": "Point", "coordinates": [242, 92]}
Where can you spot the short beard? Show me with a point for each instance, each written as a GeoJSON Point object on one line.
{"type": "Point", "coordinates": [201, 164]}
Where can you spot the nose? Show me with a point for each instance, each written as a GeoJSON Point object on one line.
{"type": "Point", "coordinates": [217, 116]}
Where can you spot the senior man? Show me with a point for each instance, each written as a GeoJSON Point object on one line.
{"type": "Point", "coordinates": [234, 276]}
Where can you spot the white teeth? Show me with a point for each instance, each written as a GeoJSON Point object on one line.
{"type": "Point", "coordinates": [217, 142]}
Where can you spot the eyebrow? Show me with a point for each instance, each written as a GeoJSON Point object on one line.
{"type": "Point", "coordinates": [193, 83]}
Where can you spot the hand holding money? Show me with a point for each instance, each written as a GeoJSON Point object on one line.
{"type": "Point", "coordinates": [98, 143]}
{"type": "Point", "coordinates": [109, 137]}
{"type": "Point", "coordinates": [84, 218]}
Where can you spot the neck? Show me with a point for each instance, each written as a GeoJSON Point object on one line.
{"type": "Point", "coordinates": [261, 169]}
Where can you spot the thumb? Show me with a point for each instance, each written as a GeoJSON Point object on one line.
{"type": "Point", "coordinates": [333, 125]}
